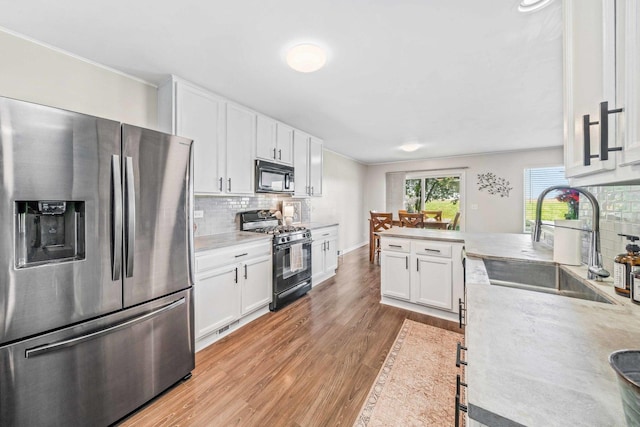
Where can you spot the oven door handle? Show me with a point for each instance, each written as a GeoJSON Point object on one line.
{"type": "Point", "coordinates": [288, 245]}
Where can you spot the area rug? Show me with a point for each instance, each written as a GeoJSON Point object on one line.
{"type": "Point", "coordinates": [417, 383]}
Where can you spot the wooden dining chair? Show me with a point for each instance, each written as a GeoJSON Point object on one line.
{"type": "Point", "coordinates": [379, 221]}
{"type": "Point", "coordinates": [437, 215]}
{"type": "Point", "coordinates": [411, 220]}
{"type": "Point", "coordinates": [456, 219]}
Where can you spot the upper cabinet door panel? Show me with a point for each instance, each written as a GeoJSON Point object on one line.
{"type": "Point", "coordinates": [266, 138]}
{"type": "Point", "coordinates": [301, 162]}
{"type": "Point", "coordinates": [589, 56]}
{"type": "Point", "coordinates": [241, 137]}
{"type": "Point", "coordinates": [315, 166]}
{"type": "Point", "coordinates": [198, 117]}
{"type": "Point", "coordinates": [628, 71]}
{"type": "Point", "coordinates": [284, 144]}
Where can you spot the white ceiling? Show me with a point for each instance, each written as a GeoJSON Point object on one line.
{"type": "Point", "coordinates": [458, 76]}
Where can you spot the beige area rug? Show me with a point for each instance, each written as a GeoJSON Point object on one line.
{"type": "Point", "coordinates": [417, 383]}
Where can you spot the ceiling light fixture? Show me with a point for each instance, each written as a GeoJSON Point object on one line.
{"type": "Point", "coordinates": [306, 58]}
{"type": "Point", "coordinates": [410, 147]}
{"type": "Point", "coordinates": [532, 5]}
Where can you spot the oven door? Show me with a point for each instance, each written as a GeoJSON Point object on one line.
{"type": "Point", "coordinates": [292, 265]}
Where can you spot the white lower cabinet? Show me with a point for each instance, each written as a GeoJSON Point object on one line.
{"type": "Point", "coordinates": [233, 287]}
{"type": "Point", "coordinates": [396, 275]}
{"type": "Point", "coordinates": [422, 275]}
{"type": "Point", "coordinates": [324, 254]}
{"type": "Point", "coordinates": [256, 284]}
{"type": "Point", "coordinates": [214, 297]}
{"type": "Point", "coordinates": [433, 282]}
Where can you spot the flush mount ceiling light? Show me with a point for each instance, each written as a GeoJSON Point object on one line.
{"type": "Point", "coordinates": [306, 58]}
{"type": "Point", "coordinates": [410, 147]}
{"type": "Point", "coordinates": [532, 5]}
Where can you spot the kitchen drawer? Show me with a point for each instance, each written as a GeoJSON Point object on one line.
{"type": "Point", "coordinates": [324, 233]}
{"type": "Point", "coordinates": [215, 258]}
{"type": "Point", "coordinates": [397, 245]}
{"type": "Point", "coordinates": [430, 248]}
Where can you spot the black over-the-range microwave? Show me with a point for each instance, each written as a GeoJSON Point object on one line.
{"type": "Point", "coordinates": [274, 178]}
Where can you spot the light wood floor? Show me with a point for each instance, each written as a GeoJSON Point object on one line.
{"type": "Point", "coordinates": [310, 364]}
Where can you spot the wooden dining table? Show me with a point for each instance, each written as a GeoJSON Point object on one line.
{"type": "Point", "coordinates": [440, 225]}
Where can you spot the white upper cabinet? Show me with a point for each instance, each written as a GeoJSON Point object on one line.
{"type": "Point", "coordinates": [315, 166]}
{"type": "Point", "coordinates": [241, 137]}
{"type": "Point", "coordinates": [284, 143]}
{"type": "Point", "coordinates": [307, 164]}
{"type": "Point", "coordinates": [266, 141]}
{"type": "Point", "coordinates": [602, 142]}
{"type": "Point", "coordinates": [189, 111]}
{"type": "Point", "coordinates": [301, 163]}
{"type": "Point", "coordinates": [275, 141]}
{"type": "Point", "coordinates": [229, 137]}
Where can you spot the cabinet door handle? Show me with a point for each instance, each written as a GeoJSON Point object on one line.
{"type": "Point", "coordinates": [586, 134]}
{"type": "Point", "coordinates": [279, 154]}
{"type": "Point", "coordinates": [459, 406]}
{"type": "Point", "coordinates": [417, 264]}
{"type": "Point", "coordinates": [236, 279]}
{"type": "Point", "coordinates": [459, 361]}
{"type": "Point", "coordinates": [604, 130]}
{"type": "Point", "coordinates": [437, 251]}
{"type": "Point", "coordinates": [406, 258]}
{"type": "Point", "coordinates": [244, 254]}
{"type": "Point", "coordinates": [460, 310]}
{"type": "Point", "coordinates": [328, 245]}
{"type": "Point", "coordinates": [323, 245]}
{"type": "Point", "coordinates": [229, 185]}
{"type": "Point", "coordinates": [274, 153]}
{"type": "Point", "coordinates": [220, 183]}
{"type": "Point", "coordinates": [395, 246]}
{"type": "Point", "coordinates": [245, 271]}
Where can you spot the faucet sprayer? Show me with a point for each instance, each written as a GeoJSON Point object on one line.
{"type": "Point", "coordinates": [595, 269]}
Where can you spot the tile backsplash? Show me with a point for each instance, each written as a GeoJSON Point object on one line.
{"type": "Point", "coordinates": [619, 213]}
{"type": "Point", "coordinates": [221, 212]}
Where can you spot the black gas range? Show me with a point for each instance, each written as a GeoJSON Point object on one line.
{"type": "Point", "coordinates": [291, 255]}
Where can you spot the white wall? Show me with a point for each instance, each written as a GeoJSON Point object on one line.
{"type": "Point", "coordinates": [494, 214]}
{"type": "Point", "coordinates": [35, 73]}
{"type": "Point", "coordinates": [342, 199]}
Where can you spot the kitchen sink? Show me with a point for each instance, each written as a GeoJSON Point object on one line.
{"type": "Point", "coordinates": [540, 277]}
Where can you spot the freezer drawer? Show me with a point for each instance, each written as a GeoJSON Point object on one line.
{"type": "Point", "coordinates": [97, 372]}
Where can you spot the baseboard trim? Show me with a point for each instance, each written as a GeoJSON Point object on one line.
{"type": "Point", "coordinates": [353, 248]}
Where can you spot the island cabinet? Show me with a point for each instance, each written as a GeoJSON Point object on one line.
{"type": "Point", "coordinates": [601, 91]}
{"type": "Point", "coordinates": [233, 286]}
{"type": "Point", "coordinates": [422, 275]}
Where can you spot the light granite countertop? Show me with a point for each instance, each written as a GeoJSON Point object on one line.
{"type": "Point", "coordinates": [316, 225]}
{"type": "Point", "coordinates": [222, 240]}
{"type": "Point", "coordinates": [537, 359]}
{"type": "Point", "coordinates": [486, 245]}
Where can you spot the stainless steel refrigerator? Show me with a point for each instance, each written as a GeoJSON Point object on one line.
{"type": "Point", "coordinates": [96, 312]}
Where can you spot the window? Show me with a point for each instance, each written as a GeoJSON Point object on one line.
{"type": "Point", "coordinates": [434, 191]}
{"type": "Point", "coordinates": [536, 180]}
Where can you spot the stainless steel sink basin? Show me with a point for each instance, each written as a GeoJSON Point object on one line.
{"type": "Point", "coordinates": [540, 277]}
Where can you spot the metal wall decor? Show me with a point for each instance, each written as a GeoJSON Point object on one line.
{"type": "Point", "coordinates": [494, 184]}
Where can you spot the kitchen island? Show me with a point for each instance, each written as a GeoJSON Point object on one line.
{"type": "Point", "coordinates": [534, 358]}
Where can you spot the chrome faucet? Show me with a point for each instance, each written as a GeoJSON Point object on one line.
{"type": "Point", "coordinates": [595, 269]}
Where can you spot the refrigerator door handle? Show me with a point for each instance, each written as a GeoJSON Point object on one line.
{"type": "Point", "coordinates": [116, 218]}
{"type": "Point", "coordinates": [48, 348]}
{"type": "Point", "coordinates": [130, 231]}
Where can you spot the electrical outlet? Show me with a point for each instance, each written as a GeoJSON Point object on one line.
{"type": "Point", "coordinates": [198, 214]}
{"type": "Point", "coordinates": [474, 206]}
